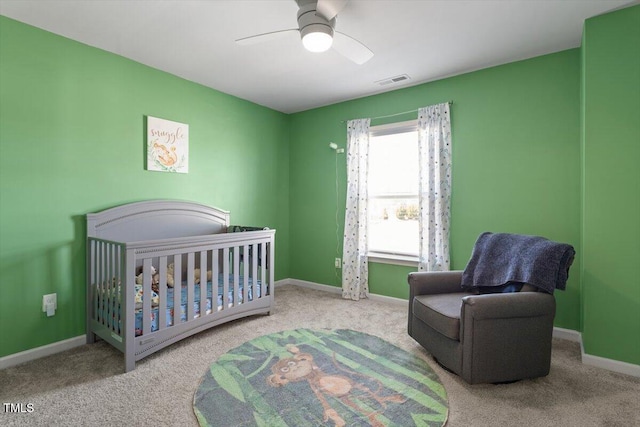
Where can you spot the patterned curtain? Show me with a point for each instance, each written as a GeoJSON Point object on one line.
{"type": "Point", "coordinates": [355, 269]}
{"type": "Point", "coordinates": [434, 144]}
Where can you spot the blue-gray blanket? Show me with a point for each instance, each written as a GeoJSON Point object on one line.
{"type": "Point", "coordinates": [499, 258]}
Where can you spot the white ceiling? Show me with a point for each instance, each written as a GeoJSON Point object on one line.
{"type": "Point", "coordinates": [426, 40]}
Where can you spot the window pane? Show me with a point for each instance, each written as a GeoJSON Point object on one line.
{"type": "Point", "coordinates": [393, 164]}
{"type": "Point", "coordinates": [393, 193]}
{"type": "Point", "coordinates": [393, 225]}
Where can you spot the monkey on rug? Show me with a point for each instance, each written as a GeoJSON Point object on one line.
{"type": "Point", "coordinates": [301, 367]}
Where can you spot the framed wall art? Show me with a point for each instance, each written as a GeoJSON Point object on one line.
{"type": "Point", "coordinates": [167, 145]}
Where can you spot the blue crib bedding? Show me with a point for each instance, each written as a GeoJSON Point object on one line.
{"type": "Point", "coordinates": [198, 306]}
{"type": "Point", "coordinates": [208, 307]}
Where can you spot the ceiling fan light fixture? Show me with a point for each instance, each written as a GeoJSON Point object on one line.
{"type": "Point", "coordinates": [317, 38]}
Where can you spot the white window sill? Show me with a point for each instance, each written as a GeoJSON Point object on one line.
{"type": "Point", "coordinates": [381, 258]}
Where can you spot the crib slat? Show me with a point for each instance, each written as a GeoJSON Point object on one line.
{"type": "Point", "coordinates": [112, 286]}
{"type": "Point", "coordinates": [190, 283]}
{"type": "Point", "coordinates": [263, 268]}
{"type": "Point", "coordinates": [120, 279]}
{"type": "Point", "coordinates": [97, 282]}
{"type": "Point", "coordinates": [112, 281]}
{"type": "Point", "coordinates": [90, 292]}
{"type": "Point", "coordinates": [236, 276]}
{"type": "Point", "coordinates": [245, 266]}
{"type": "Point", "coordinates": [225, 278]}
{"type": "Point", "coordinates": [204, 283]}
{"type": "Point", "coordinates": [177, 289]}
{"type": "Point", "coordinates": [103, 290]}
{"type": "Point", "coordinates": [105, 284]}
{"type": "Point", "coordinates": [96, 272]}
{"type": "Point", "coordinates": [215, 278]}
{"type": "Point", "coordinates": [269, 288]}
{"type": "Point", "coordinates": [146, 296]}
{"type": "Point", "coordinates": [162, 292]}
{"type": "Point", "coordinates": [215, 263]}
{"type": "Point", "coordinates": [109, 277]}
{"type": "Point", "coordinates": [109, 284]}
{"type": "Point", "coordinates": [117, 286]}
{"type": "Point", "coordinates": [254, 269]}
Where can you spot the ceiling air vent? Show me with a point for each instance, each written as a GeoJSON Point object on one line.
{"type": "Point", "coordinates": [393, 80]}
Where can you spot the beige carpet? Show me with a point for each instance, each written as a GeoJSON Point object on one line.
{"type": "Point", "coordinates": [86, 386]}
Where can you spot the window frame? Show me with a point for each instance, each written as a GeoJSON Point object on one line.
{"type": "Point", "coordinates": [384, 257]}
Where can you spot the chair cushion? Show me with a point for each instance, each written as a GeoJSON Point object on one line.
{"type": "Point", "coordinates": [441, 312]}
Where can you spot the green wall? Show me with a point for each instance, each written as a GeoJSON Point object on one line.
{"type": "Point", "coordinates": [611, 170]}
{"type": "Point", "coordinates": [516, 167]}
{"type": "Point", "coordinates": [72, 142]}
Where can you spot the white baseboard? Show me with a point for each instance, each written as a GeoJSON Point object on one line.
{"type": "Point", "coordinates": [562, 333]}
{"type": "Point", "coordinates": [611, 364]}
{"type": "Point", "coordinates": [597, 361]}
{"type": "Point", "coordinates": [567, 334]}
{"type": "Point", "coordinates": [310, 285]}
{"type": "Point", "coordinates": [38, 352]}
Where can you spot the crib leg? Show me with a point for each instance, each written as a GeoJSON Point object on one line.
{"type": "Point", "coordinates": [129, 364]}
{"type": "Point", "coordinates": [91, 337]}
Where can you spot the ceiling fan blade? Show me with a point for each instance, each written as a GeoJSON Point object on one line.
{"type": "Point", "coordinates": [328, 9]}
{"type": "Point", "coordinates": [351, 48]}
{"type": "Point", "coordinates": [266, 37]}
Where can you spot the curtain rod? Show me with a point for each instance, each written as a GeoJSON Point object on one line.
{"type": "Point", "coordinates": [393, 115]}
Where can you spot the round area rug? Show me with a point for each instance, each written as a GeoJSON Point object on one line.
{"type": "Point", "coordinates": [309, 377]}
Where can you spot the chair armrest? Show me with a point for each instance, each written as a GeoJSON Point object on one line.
{"type": "Point", "coordinates": [434, 282]}
{"type": "Point", "coordinates": [431, 282]}
{"type": "Point", "coordinates": [509, 305]}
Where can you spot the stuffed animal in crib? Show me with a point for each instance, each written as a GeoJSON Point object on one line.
{"type": "Point", "coordinates": [198, 276]}
{"type": "Point", "coordinates": [170, 278]}
{"type": "Point", "coordinates": [139, 275]}
{"type": "Point", "coordinates": [155, 277]}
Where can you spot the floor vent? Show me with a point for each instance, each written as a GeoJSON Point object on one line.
{"type": "Point", "coordinates": [393, 80]}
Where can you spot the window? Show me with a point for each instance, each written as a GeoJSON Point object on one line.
{"type": "Point", "coordinates": [393, 230]}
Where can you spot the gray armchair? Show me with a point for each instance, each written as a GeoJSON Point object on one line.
{"type": "Point", "coordinates": [491, 338]}
{"type": "Point", "coordinates": [493, 322]}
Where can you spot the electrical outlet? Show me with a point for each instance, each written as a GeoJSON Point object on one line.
{"type": "Point", "coordinates": [338, 263]}
{"type": "Point", "coordinates": [50, 300]}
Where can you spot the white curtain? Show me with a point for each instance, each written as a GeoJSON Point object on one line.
{"type": "Point", "coordinates": [434, 144]}
{"type": "Point", "coordinates": [355, 269]}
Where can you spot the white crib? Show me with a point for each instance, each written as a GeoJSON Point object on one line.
{"type": "Point", "coordinates": [182, 255]}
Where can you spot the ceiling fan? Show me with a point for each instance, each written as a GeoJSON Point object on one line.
{"type": "Point", "coordinates": [316, 27]}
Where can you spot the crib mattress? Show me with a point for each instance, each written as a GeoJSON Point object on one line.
{"type": "Point", "coordinates": [170, 311]}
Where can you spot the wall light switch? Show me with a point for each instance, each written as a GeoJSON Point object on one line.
{"type": "Point", "coordinates": [338, 263]}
